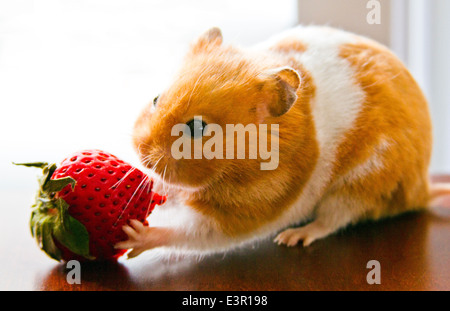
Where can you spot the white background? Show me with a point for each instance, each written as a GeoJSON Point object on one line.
{"type": "Point", "coordinates": [75, 74]}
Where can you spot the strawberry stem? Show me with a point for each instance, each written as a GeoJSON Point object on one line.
{"type": "Point", "coordinates": [50, 218]}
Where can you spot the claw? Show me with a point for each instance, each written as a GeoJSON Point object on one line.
{"type": "Point", "coordinates": [307, 234]}
{"type": "Point", "coordinates": [137, 225]}
{"type": "Point", "coordinates": [130, 232]}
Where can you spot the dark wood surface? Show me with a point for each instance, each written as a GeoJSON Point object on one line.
{"type": "Point", "coordinates": [413, 251]}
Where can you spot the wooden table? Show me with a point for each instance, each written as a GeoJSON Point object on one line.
{"type": "Point", "coordinates": [413, 251]}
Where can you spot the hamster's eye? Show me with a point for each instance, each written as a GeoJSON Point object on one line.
{"type": "Point", "coordinates": [197, 127]}
{"type": "Point", "coordinates": [155, 100]}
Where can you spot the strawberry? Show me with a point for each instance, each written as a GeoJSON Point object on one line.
{"type": "Point", "coordinates": [82, 205]}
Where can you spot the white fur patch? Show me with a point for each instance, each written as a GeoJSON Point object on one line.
{"type": "Point", "coordinates": [338, 102]}
{"type": "Point", "coordinates": [193, 230]}
{"type": "Point", "coordinates": [373, 164]}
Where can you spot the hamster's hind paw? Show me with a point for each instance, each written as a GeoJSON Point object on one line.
{"type": "Point", "coordinates": [308, 234]}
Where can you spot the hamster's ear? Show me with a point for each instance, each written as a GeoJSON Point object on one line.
{"type": "Point", "coordinates": [208, 40]}
{"type": "Point", "coordinates": [283, 84]}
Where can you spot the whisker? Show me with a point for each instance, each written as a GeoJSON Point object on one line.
{"type": "Point", "coordinates": [150, 184]}
{"type": "Point", "coordinates": [140, 146]}
{"type": "Point", "coordinates": [123, 178]}
{"type": "Point", "coordinates": [153, 168]}
{"type": "Point", "coordinates": [147, 181]}
{"type": "Point", "coordinates": [151, 202]}
{"type": "Point", "coordinates": [146, 161]}
{"type": "Point", "coordinates": [195, 85]}
{"type": "Point", "coordinates": [164, 180]}
{"type": "Point", "coordinates": [129, 201]}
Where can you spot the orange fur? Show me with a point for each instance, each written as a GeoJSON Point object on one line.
{"type": "Point", "coordinates": [381, 163]}
{"type": "Point", "coordinates": [289, 45]}
{"type": "Point", "coordinates": [247, 197]}
{"type": "Point", "coordinates": [223, 85]}
{"type": "Point", "coordinates": [395, 113]}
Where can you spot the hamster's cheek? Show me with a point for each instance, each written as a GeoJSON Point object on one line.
{"type": "Point", "coordinates": [190, 173]}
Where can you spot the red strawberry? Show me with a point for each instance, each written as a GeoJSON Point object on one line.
{"type": "Point", "coordinates": [82, 205]}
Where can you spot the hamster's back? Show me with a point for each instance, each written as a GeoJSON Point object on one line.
{"type": "Point", "coordinates": [372, 120]}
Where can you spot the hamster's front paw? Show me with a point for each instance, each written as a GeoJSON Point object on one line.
{"type": "Point", "coordinates": [307, 234]}
{"type": "Point", "coordinates": [141, 238]}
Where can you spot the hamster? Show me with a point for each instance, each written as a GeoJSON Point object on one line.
{"type": "Point", "coordinates": [354, 141]}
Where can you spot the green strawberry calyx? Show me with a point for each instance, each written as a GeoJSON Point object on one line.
{"type": "Point", "coordinates": [50, 218]}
